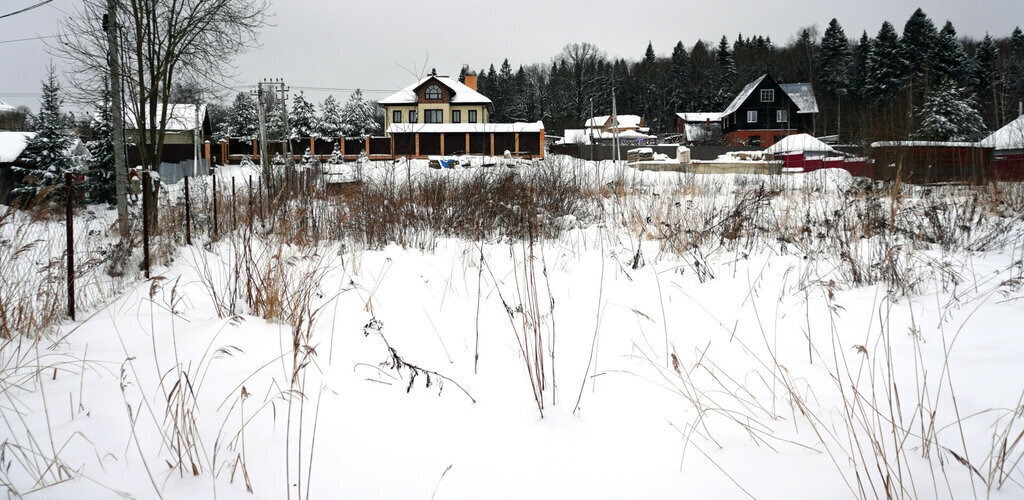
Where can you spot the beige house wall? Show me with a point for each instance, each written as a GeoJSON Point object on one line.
{"type": "Point", "coordinates": [482, 114]}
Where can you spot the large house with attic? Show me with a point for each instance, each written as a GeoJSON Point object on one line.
{"type": "Point", "coordinates": [766, 111]}
{"type": "Point", "coordinates": [437, 99]}
{"type": "Point", "coordinates": [763, 113]}
{"type": "Point", "coordinates": [438, 115]}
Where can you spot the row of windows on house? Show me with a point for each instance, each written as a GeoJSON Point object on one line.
{"type": "Point", "coordinates": [781, 116]}
{"type": "Point", "coordinates": [434, 116]}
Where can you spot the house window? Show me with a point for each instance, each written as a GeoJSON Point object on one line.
{"type": "Point", "coordinates": [433, 116]}
{"type": "Point", "coordinates": [781, 116]}
{"type": "Point", "coordinates": [456, 116]}
{"type": "Point", "coordinates": [754, 140]}
{"type": "Point", "coordinates": [412, 116]}
{"type": "Point", "coordinates": [751, 116]}
{"type": "Point", "coordinates": [396, 116]}
{"type": "Point", "coordinates": [433, 93]}
{"type": "Point", "coordinates": [472, 116]}
{"type": "Point", "coordinates": [767, 95]}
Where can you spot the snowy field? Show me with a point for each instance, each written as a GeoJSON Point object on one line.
{"type": "Point", "coordinates": [719, 336]}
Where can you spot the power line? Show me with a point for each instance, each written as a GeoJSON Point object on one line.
{"type": "Point", "coordinates": [26, 9]}
{"type": "Point", "coordinates": [43, 37]}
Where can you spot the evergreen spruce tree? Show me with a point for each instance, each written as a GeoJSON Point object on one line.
{"type": "Point", "coordinates": [702, 70]}
{"type": "Point", "coordinates": [462, 73]}
{"type": "Point", "coordinates": [917, 47]}
{"type": "Point", "coordinates": [303, 118]}
{"type": "Point", "coordinates": [330, 124]}
{"type": "Point", "coordinates": [949, 56]}
{"type": "Point", "coordinates": [678, 75]}
{"type": "Point", "coordinates": [984, 78]}
{"type": "Point", "coordinates": [726, 71]}
{"type": "Point", "coordinates": [46, 157]}
{"type": "Point", "coordinates": [649, 56]}
{"type": "Point", "coordinates": [833, 61]}
{"type": "Point", "coordinates": [885, 65]}
{"type": "Point", "coordinates": [859, 67]}
{"type": "Point", "coordinates": [242, 122]}
{"type": "Point", "coordinates": [1015, 70]}
{"type": "Point", "coordinates": [947, 115]}
{"type": "Point", "coordinates": [100, 183]}
{"type": "Point", "coordinates": [358, 117]}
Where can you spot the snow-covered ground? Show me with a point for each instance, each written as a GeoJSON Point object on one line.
{"type": "Point", "coordinates": [722, 370]}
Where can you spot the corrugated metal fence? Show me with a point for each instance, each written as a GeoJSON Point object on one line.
{"type": "Point", "coordinates": [171, 173]}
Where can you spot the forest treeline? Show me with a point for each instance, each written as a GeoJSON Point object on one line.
{"type": "Point", "coordinates": [873, 86]}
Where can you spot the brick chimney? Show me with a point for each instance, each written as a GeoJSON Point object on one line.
{"type": "Point", "coordinates": [471, 80]}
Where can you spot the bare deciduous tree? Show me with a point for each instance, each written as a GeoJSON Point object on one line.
{"type": "Point", "coordinates": [162, 43]}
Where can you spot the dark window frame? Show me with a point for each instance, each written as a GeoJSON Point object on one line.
{"type": "Point", "coordinates": [433, 116]}
{"type": "Point", "coordinates": [396, 116]}
{"type": "Point", "coordinates": [456, 116]}
{"type": "Point", "coordinates": [433, 89]}
{"type": "Point", "coordinates": [413, 116]}
{"type": "Point", "coordinates": [472, 116]}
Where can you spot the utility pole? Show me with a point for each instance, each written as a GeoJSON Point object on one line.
{"type": "Point", "coordinates": [615, 131]}
{"type": "Point", "coordinates": [262, 116]}
{"type": "Point", "coordinates": [117, 116]}
{"type": "Point", "coordinates": [288, 161]}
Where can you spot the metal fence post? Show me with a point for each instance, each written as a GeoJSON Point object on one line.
{"type": "Point", "coordinates": [188, 214]}
{"type": "Point", "coordinates": [214, 207]}
{"type": "Point", "coordinates": [68, 179]}
{"type": "Point", "coordinates": [145, 220]}
{"type": "Point", "coordinates": [234, 221]}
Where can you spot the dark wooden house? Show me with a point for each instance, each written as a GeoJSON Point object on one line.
{"type": "Point", "coordinates": [765, 111]}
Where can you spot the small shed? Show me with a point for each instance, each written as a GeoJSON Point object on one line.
{"type": "Point", "coordinates": [1008, 151]}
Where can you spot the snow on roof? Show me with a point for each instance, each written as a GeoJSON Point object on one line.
{"type": "Point", "coordinates": [700, 116]}
{"type": "Point", "coordinates": [458, 128]}
{"type": "Point", "coordinates": [1009, 137]}
{"type": "Point", "coordinates": [461, 94]}
{"type": "Point", "coordinates": [180, 117]}
{"type": "Point", "coordinates": [6, 108]}
{"type": "Point", "coordinates": [624, 134]}
{"type": "Point", "coordinates": [743, 95]}
{"type": "Point", "coordinates": [930, 144]}
{"type": "Point", "coordinates": [802, 95]}
{"type": "Point", "coordinates": [575, 136]}
{"type": "Point", "coordinates": [12, 144]}
{"type": "Point", "coordinates": [625, 121]}
{"type": "Point", "coordinates": [798, 143]}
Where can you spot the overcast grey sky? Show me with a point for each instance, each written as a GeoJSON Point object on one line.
{"type": "Point", "coordinates": [378, 45]}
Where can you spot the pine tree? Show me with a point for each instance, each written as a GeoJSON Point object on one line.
{"type": "Point", "coordinates": [303, 118]}
{"type": "Point", "coordinates": [677, 79]}
{"type": "Point", "coordinates": [358, 117]}
{"type": "Point", "coordinates": [833, 61]}
{"type": "Point", "coordinates": [918, 45]}
{"type": "Point", "coordinates": [806, 50]}
{"type": "Point", "coordinates": [885, 66]}
{"type": "Point", "coordinates": [949, 56]}
{"type": "Point", "coordinates": [331, 125]}
{"type": "Point", "coordinates": [242, 122]}
{"type": "Point", "coordinates": [100, 183]}
{"type": "Point", "coordinates": [45, 159]}
{"type": "Point", "coordinates": [726, 71]}
{"type": "Point", "coordinates": [946, 115]}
